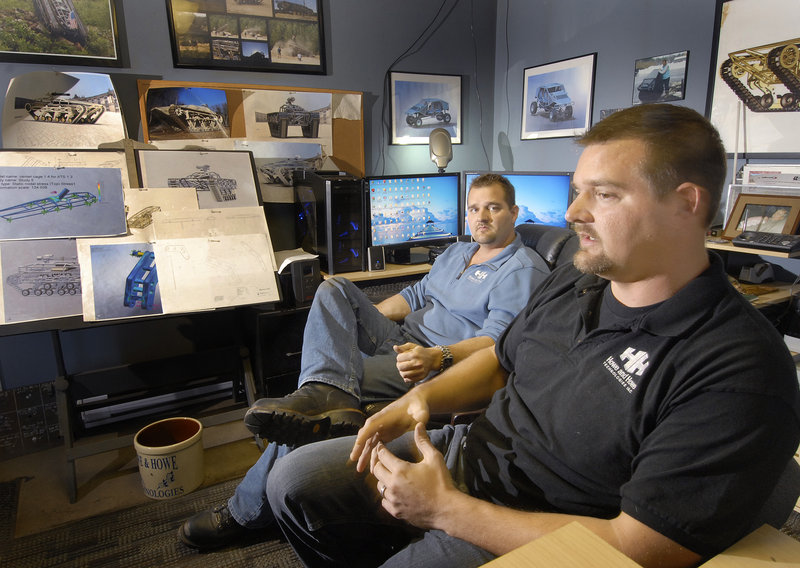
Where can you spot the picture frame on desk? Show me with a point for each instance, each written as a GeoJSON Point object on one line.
{"type": "Point", "coordinates": [763, 213]}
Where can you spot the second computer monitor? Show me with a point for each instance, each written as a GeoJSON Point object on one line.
{"type": "Point", "coordinates": [542, 197]}
{"type": "Point", "coordinates": [412, 211]}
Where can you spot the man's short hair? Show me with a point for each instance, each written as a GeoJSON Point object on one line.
{"type": "Point", "coordinates": [484, 180]}
{"type": "Point", "coordinates": [681, 146]}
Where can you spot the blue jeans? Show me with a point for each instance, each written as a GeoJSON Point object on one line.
{"type": "Point", "coordinates": [347, 343]}
{"type": "Point", "coordinates": [332, 516]}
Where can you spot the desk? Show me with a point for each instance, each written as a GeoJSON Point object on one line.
{"type": "Point", "coordinates": [391, 271]}
{"type": "Point", "coordinates": [727, 246]}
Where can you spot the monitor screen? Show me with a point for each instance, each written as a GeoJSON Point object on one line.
{"type": "Point", "coordinates": [406, 211]}
{"type": "Point", "coordinates": [542, 197]}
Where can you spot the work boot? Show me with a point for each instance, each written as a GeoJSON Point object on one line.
{"type": "Point", "coordinates": [313, 412]}
{"type": "Point", "coordinates": [210, 529]}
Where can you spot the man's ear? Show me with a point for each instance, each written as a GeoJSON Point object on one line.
{"type": "Point", "coordinates": [693, 199]}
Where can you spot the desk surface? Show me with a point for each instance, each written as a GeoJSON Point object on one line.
{"type": "Point", "coordinates": [730, 247]}
{"type": "Point", "coordinates": [391, 271]}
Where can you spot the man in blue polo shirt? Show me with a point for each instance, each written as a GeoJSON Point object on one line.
{"type": "Point", "coordinates": [637, 393]}
{"type": "Point", "coordinates": [355, 352]}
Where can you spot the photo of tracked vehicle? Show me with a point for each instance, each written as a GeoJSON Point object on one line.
{"type": "Point", "coordinates": [187, 118]}
{"type": "Point", "coordinates": [48, 276]}
{"type": "Point", "coordinates": [766, 78]}
{"type": "Point", "coordinates": [61, 19]}
{"type": "Point", "coordinates": [52, 108]}
{"type": "Point", "coordinates": [223, 189]}
{"type": "Point", "coordinates": [288, 115]}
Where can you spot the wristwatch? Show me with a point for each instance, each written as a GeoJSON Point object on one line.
{"type": "Point", "coordinates": [447, 357]}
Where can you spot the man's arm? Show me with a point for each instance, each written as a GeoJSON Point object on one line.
{"type": "Point", "coordinates": [424, 495]}
{"type": "Point", "coordinates": [415, 362]}
{"type": "Point", "coordinates": [394, 307]}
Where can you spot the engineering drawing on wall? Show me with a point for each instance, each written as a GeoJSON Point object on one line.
{"type": "Point", "coordinates": [288, 115]}
{"type": "Point", "coordinates": [280, 171]}
{"type": "Point", "coordinates": [46, 276]}
{"type": "Point", "coordinates": [63, 201]}
{"type": "Point", "coordinates": [140, 285]}
{"type": "Point", "coordinates": [223, 189]}
{"type": "Point", "coordinates": [766, 78]}
{"type": "Point", "coordinates": [60, 17]}
{"type": "Point", "coordinates": [56, 108]}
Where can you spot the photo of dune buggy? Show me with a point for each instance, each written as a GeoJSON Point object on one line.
{"type": "Point", "coordinates": [552, 99]}
{"type": "Point", "coordinates": [428, 108]}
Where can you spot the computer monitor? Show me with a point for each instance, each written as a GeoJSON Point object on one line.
{"type": "Point", "coordinates": [542, 197]}
{"type": "Point", "coordinates": [406, 212]}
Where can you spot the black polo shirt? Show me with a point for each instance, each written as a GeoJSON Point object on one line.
{"type": "Point", "coordinates": [683, 416]}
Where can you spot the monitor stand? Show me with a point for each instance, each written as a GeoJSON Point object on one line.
{"type": "Point", "coordinates": [408, 255]}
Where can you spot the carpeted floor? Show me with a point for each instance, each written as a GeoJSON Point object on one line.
{"type": "Point", "coordinates": [143, 536]}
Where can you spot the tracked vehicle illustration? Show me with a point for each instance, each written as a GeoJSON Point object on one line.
{"type": "Point", "coordinates": [140, 285]}
{"type": "Point", "coordinates": [61, 202]}
{"type": "Point", "coordinates": [48, 276]}
{"type": "Point", "coordinates": [143, 218]}
{"type": "Point", "coordinates": [281, 171]}
{"type": "Point", "coordinates": [187, 118]}
{"type": "Point", "coordinates": [52, 108]}
{"type": "Point", "coordinates": [60, 17]}
{"type": "Point", "coordinates": [223, 189]}
{"type": "Point", "coordinates": [766, 78]}
{"type": "Point", "coordinates": [291, 114]}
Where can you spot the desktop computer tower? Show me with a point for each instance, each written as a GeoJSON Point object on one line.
{"type": "Point", "coordinates": [330, 219]}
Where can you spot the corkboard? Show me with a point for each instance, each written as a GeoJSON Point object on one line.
{"type": "Point", "coordinates": [347, 116]}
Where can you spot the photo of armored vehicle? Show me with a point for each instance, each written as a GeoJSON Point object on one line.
{"type": "Point", "coordinates": [766, 78]}
{"type": "Point", "coordinates": [223, 189]}
{"type": "Point", "coordinates": [280, 171]}
{"type": "Point", "coordinates": [72, 111]}
{"type": "Point", "coordinates": [61, 19]}
{"type": "Point", "coordinates": [553, 100]}
{"type": "Point", "coordinates": [187, 118]}
{"type": "Point", "coordinates": [291, 114]}
{"type": "Point", "coordinates": [428, 108]}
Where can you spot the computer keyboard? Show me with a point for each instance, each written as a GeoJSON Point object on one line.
{"type": "Point", "coordinates": [768, 241]}
{"type": "Point", "coordinates": [377, 292]}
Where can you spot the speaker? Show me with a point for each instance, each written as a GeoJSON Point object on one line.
{"type": "Point", "coordinates": [376, 258]}
{"type": "Point", "coordinates": [330, 219]}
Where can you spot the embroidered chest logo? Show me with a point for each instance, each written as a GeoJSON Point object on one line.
{"type": "Point", "coordinates": [632, 364]}
{"type": "Point", "coordinates": [478, 276]}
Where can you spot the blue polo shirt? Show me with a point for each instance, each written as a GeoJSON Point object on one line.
{"type": "Point", "coordinates": [455, 300]}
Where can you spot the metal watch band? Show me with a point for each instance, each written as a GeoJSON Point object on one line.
{"type": "Point", "coordinates": [447, 357]}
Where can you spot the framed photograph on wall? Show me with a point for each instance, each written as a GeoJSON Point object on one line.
{"type": "Point", "coordinates": [754, 86]}
{"type": "Point", "coordinates": [765, 214]}
{"type": "Point", "coordinates": [59, 33]}
{"type": "Point", "coordinates": [660, 79]}
{"type": "Point", "coordinates": [421, 103]}
{"type": "Point", "coordinates": [557, 98]}
{"type": "Point", "coordinates": [248, 36]}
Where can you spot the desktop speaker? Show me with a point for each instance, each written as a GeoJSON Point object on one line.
{"type": "Point", "coordinates": [330, 219]}
{"type": "Point", "coordinates": [376, 258]}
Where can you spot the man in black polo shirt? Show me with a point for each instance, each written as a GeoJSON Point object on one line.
{"type": "Point", "coordinates": [637, 393]}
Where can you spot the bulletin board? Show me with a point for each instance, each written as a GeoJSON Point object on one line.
{"type": "Point", "coordinates": [344, 115]}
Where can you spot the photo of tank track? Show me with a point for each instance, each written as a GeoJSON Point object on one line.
{"type": "Point", "coordinates": [187, 118]}
{"type": "Point", "coordinates": [63, 201]}
{"type": "Point", "coordinates": [69, 111]}
{"type": "Point", "coordinates": [288, 115]}
{"type": "Point", "coordinates": [223, 189]}
{"type": "Point", "coordinates": [61, 19]}
{"type": "Point", "coordinates": [47, 276]}
{"type": "Point", "coordinates": [754, 73]}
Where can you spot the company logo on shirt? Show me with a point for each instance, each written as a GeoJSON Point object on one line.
{"type": "Point", "coordinates": [478, 276]}
{"type": "Point", "coordinates": [632, 364]}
